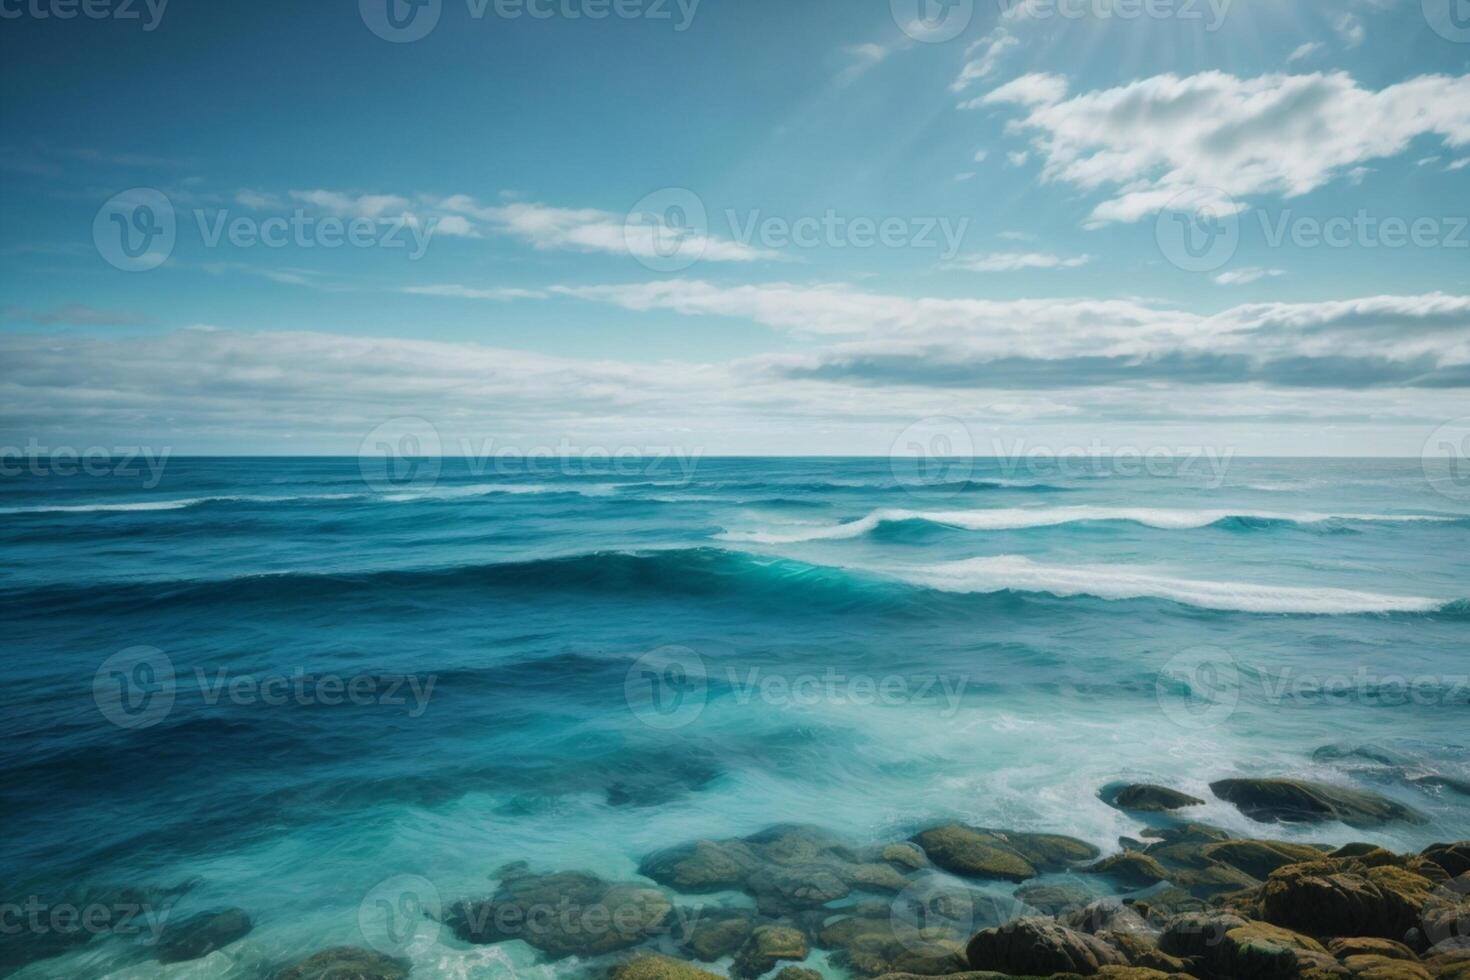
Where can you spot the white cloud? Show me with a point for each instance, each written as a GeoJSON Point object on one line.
{"type": "Point", "coordinates": [455, 291]}
{"type": "Point", "coordinates": [456, 225]}
{"type": "Point", "coordinates": [1350, 28]}
{"type": "Point", "coordinates": [1014, 261]}
{"type": "Point", "coordinates": [1018, 158]}
{"type": "Point", "coordinates": [1459, 164]}
{"type": "Point", "coordinates": [1304, 51]}
{"type": "Point", "coordinates": [861, 58]}
{"type": "Point", "coordinates": [964, 176]}
{"type": "Point", "coordinates": [981, 155]}
{"type": "Point", "coordinates": [1241, 277]}
{"type": "Point", "coordinates": [985, 55]}
{"type": "Point", "coordinates": [372, 206]}
{"type": "Point", "coordinates": [1155, 139]}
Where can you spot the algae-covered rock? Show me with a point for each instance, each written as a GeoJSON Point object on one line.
{"type": "Point", "coordinates": [652, 966]}
{"type": "Point", "coordinates": [1228, 945]}
{"type": "Point", "coordinates": [1345, 898]}
{"type": "Point", "coordinates": [701, 866]}
{"type": "Point", "coordinates": [1148, 798]}
{"type": "Point", "coordinates": [1297, 801]}
{"type": "Point", "coordinates": [1453, 858]}
{"type": "Point", "coordinates": [871, 945]}
{"type": "Point", "coordinates": [798, 973]}
{"type": "Point", "coordinates": [1369, 946]}
{"type": "Point", "coordinates": [347, 963]}
{"type": "Point", "coordinates": [713, 934]}
{"type": "Point", "coordinates": [1053, 899]}
{"type": "Point", "coordinates": [974, 853]}
{"type": "Point", "coordinates": [765, 947]}
{"type": "Point", "coordinates": [1132, 869]}
{"type": "Point", "coordinates": [1258, 858]}
{"type": "Point", "coordinates": [1036, 946]}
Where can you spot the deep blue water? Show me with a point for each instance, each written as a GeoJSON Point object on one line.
{"type": "Point", "coordinates": [574, 667]}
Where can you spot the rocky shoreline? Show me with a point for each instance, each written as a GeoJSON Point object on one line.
{"type": "Point", "coordinates": [1183, 899]}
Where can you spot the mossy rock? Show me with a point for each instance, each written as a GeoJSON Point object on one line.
{"type": "Point", "coordinates": [1228, 945]}
{"type": "Point", "coordinates": [652, 966]}
{"type": "Point", "coordinates": [1258, 858]}
{"type": "Point", "coordinates": [1039, 946]}
{"type": "Point", "coordinates": [1345, 898]}
{"type": "Point", "coordinates": [1148, 798]}
{"type": "Point", "coordinates": [1054, 899]}
{"type": "Point", "coordinates": [347, 963]}
{"type": "Point", "coordinates": [1370, 967]}
{"type": "Point", "coordinates": [798, 973]}
{"type": "Point", "coordinates": [1298, 801]}
{"type": "Point", "coordinates": [714, 934]}
{"type": "Point", "coordinates": [1454, 858]}
{"type": "Point", "coordinates": [1369, 946]}
{"type": "Point", "coordinates": [1132, 869]}
{"type": "Point", "coordinates": [701, 866]}
{"type": "Point", "coordinates": [765, 947]}
{"type": "Point", "coordinates": [974, 853]}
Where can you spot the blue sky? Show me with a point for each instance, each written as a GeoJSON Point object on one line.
{"type": "Point", "coordinates": [898, 224]}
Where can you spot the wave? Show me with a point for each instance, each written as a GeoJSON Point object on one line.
{"type": "Point", "coordinates": [1017, 573]}
{"type": "Point", "coordinates": [397, 497]}
{"type": "Point", "coordinates": [1020, 518]}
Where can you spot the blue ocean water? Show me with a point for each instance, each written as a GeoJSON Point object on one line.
{"type": "Point", "coordinates": [573, 666]}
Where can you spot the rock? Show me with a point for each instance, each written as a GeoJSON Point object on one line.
{"type": "Point", "coordinates": [871, 945]}
{"type": "Point", "coordinates": [974, 853]}
{"type": "Point", "coordinates": [1384, 968]}
{"type": "Point", "coordinates": [202, 934]}
{"type": "Point", "coordinates": [1048, 852]}
{"type": "Point", "coordinates": [1140, 950]}
{"type": "Point", "coordinates": [652, 966]}
{"type": "Point", "coordinates": [1227, 945]}
{"type": "Point", "coordinates": [1035, 946]}
{"type": "Point", "coordinates": [1106, 915]}
{"type": "Point", "coordinates": [1132, 869]}
{"type": "Point", "coordinates": [798, 973]}
{"type": "Point", "coordinates": [716, 933]}
{"type": "Point", "coordinates": [1369, 946]}
{"type": "Point", "coordinates": [1148, 798]}
{"type": "Point", "coordinates": [1345, 898]}
{"type": "Point", "coordinates": [766, 946]}
{"type": "Point", "coordinates": [874, 877]}
{"type": "Point", "coordinates": [701, 866]}
{"type": "Point", "coordinates": [563, 914]}
{"type": "Point", "coordinates": [1296, 801]}
{"type": "Point", "coordinates": [346, 963]}
{"type": "Point", "coordinates": [781, 890]}
{"type": "Point", "coordinates": [1053, 899]}
{"type": "Point", "coordinates": [904, 855]}
{"type": "Point", "coordinates": [1454, 858]}
{"type": "Point", "coordinates": [1258, 858]}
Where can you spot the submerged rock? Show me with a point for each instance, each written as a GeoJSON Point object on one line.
{"type": "Point", "coordinates": [974, 853]}
{"type": "Point", "coordinates": [1053, 899]}
{"type": "Point", "coordinates": [1132, 869]}
{"type": "Point", "coordinates": [798, 973]}
{"type": "Point", "coordinates": [1148, 798]}
{"type": "Point", "coordinates": [202, 934]}
{"type": "Point", "coordinates": [869, 945]}
{"type": "Point", "coordinates": [563, 914]}
{"type": "Point", "coordinates": [715, 934]}
{"type": "Point", "coordinates": [1033, 946]}
{"type": "Point", "coordinates": [346, 963]}
{"type": "Point", "coordinates": [1297, 801]}
{"type": "Point", "coordinates": [701, 866]}
{"type": "Point", "coordinates": [765, 947]}
{"type": "Point", "coordinates": [652, 966]}
{"type": "Point", "coordinates": [1258, 858]}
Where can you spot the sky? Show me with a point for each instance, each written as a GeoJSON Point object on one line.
{"type": "Point", "coordinates": [808, 227]}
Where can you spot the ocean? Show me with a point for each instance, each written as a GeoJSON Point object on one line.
{"type": "Point", "coordinates": [306, 689]}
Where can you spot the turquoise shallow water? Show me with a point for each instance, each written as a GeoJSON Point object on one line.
{"type": "Point", "coordinates": [574, 666]}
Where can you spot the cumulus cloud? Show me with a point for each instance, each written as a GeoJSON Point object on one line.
{"type": "Point", "coordinates": [984, 57]}
{"type": "Point", "coordinates": [1153, 140]}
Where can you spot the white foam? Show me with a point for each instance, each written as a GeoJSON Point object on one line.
{"type": "Point", "coordinates": [1016, 572]}
{"type": "Point", "coordinates": [1018, 518]}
